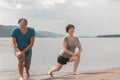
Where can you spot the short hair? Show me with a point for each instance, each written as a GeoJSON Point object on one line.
{"type": "Point", "coordinates": [22, 19]}
{"type": "Point", "coordinates": [69, 26]}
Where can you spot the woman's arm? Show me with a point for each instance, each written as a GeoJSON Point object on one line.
{"type": "Point", "coordinates": [79, 47]}
{"type": "Point", "coordinates": [64, 47]}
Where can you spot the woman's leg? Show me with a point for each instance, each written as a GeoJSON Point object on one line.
{"type": "Point", "coordinates": [76, 64]}
{"type": "Point", "coordinates": [72, 59]}
{"type": "Point", "coordinates": [56, 68]}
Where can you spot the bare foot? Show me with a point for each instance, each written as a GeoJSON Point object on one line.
{"type": "Point", "coordinates": [75, 73]}
{"type": "Point", "coordinates": [51, 74]}
{"type": "Point", "coordinates": [28, 78]}
{"type": "Point", "coordinates": [21, 78]}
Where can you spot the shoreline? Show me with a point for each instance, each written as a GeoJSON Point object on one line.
{"type": "Point", "coordinates": [108, 74]}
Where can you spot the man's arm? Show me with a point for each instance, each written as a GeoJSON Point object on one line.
{"type": "Point", "coordinates": [14, 45]}
{"type": "Point", "coordinates": [30, 45]}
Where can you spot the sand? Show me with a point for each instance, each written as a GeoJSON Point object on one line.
{"type": "Point", "coordinates": [109, 74]}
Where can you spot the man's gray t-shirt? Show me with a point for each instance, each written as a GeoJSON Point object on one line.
{"type": "Point", "coordinates": [71, 46]}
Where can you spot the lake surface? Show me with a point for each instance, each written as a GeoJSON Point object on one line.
{"type": "Point", "coordinates": [98, 54]}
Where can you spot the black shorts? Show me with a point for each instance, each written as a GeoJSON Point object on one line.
{"type": "Point", "coordinates": [62, 60]}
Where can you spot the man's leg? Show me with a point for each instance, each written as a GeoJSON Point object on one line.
{"type": "Point", "coordinates": [27, 65]}
{"type": "Point", "coordinates": [28, 72]}
{"type": "Point", "coordinates": [20, 68]}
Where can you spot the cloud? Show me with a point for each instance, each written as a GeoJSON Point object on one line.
{"type": "Point", "coordinates": [107, 1]}
{"type": "Point", "coordinates": [90, 16]}
{"type": "Point", "coordinates": [63, 3]}
{"type": "Point", "coordinates": [19, 6]}
{"type": "Point", "coordinates": [47, 4]}
{"type": "Point", "coordinates": [4, 5]}
{"type": "Point", "coordinates": [113, 0]}
{"type": "Point", "coordinates": [42, 4]}
{"type": "Point", "coordinates": [79, 3]}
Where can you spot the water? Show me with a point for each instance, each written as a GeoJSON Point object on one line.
{"type": "Point", "coordinates": [98, 53]}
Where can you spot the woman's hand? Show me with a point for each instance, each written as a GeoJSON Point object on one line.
{"type": "Point", "coordinates": [77, 53]}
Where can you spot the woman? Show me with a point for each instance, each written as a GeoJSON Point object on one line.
{"type": "Point", "coordinates": [68, 54]}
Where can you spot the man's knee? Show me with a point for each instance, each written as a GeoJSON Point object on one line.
{"type": "Point", "coordinates": [20, 62]}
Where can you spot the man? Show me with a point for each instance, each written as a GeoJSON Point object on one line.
{"type": "Point", "coordinates": [22, 41]}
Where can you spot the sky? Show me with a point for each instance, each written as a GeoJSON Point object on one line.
{"type": "Point", "coordinates": [90, 17]}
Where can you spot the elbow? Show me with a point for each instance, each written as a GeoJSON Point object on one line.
{"type": "Point", "coordinates": [13, 46]}
{"type": "Point", "coordinates": [32, 45]}
{"type": "Point", "coordinates": [65, 50]}
{"type": "Point", "coordinates": [81, 49]}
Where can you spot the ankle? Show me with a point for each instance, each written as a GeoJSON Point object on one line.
{"type": "Point", "coordinates": [28, 74]}
{"type": "Point", "coordinates": [75, 73]}
{"type": "Point", "coordinates": [21, 78]}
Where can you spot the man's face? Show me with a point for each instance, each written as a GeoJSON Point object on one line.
{"type": "Point", "coordinates": [23, 23]}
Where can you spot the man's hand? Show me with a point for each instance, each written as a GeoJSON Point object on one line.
{"type": "Point", "coordinates": [21, 54]}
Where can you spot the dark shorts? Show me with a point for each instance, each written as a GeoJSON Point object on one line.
{"type": "Point", "coordinates": [62, 60]}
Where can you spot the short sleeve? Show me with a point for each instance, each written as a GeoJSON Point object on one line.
{"type": "Point", "coordinates": [13, 33]}
{"type": "Point", "coordinates": [64, 39]}
{"type": "Point", "coordinates": [77, 39]}
{"type": "Point", "coordinates": [33, 33]}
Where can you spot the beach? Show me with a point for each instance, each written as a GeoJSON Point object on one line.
{"type": "Point", "coordinates": [100, 60]}
{"type": "Point", "coordinates": [108, 74]}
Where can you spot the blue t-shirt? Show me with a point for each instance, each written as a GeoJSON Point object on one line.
{"type": "Point", "coordinates": [23, 40]}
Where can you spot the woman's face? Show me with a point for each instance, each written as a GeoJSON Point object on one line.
{"type": "Point", "coordinates": [71, 30]}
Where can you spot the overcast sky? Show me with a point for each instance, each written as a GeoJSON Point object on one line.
{"type": "Point", "coordinates": [90, 17]}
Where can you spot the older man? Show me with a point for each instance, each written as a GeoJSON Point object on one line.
{"type": "Point", "coordinates": [22, 41]}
